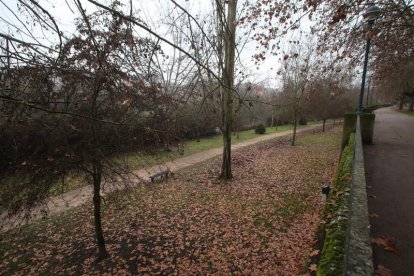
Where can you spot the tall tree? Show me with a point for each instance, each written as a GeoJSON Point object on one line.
{"type": "Point", "coordinates": [296, 78]}
{"type": "Point", "coordinates": [80, 111]}
{"type": "Point", "coordinates": [229, 37]}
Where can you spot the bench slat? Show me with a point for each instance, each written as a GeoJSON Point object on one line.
{"type": "Point", "coordinates": [160, 174]}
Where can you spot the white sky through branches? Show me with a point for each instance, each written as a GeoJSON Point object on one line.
{"type": "Point", "coordinates": [15, 21]}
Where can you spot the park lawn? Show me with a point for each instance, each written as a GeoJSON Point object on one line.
{"type": "Point", "coordinates": [261, 222]}
{"type": "Point", "coordinates": [411, 113]}
{"type": "Point", "coordinates": [137, 160]}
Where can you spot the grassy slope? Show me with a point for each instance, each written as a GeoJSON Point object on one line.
{"type": "Point", "coordinates": [260, 222]}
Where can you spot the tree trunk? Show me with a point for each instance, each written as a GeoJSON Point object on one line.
{"type": "Point", "coordinates": [198, 134]}
{"type": "Point", "coordinates": [295, 123]}
{"type": "Point", "coordinates": [401, 104]}
{"type": "Point", "coordinates": [372, 95]}
{"type": "Point", "coordinates": [238, 132]}
{"type": "Point", "coordinates": [226, 172]}
{"type": "Point", "coordinates": [323, 125]}
{"type": "Point", "coordinates": [228, 78]}
{"type": "Point", "coordinates": [411, 106]}
{"type": "Point", "coordinates": [271, 124]}
{"type": "Point", "coordinates": [100, 240]}
{"type": "Point", "coordinates": [277, 123]}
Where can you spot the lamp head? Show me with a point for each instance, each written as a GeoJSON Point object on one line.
{"type": "Point", "coordinates": [371, 13]}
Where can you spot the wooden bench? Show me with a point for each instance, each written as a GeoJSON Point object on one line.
{"type": "Point", "coordinates": [160, 175]}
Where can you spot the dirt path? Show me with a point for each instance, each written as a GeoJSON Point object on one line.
{"type": "Point", "coordinates": [82, 195]}
{"type": "Point", "coordinates": [390, 174]}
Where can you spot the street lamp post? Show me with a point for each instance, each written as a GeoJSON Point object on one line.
{"type": "Point", "coordinates": [368, 90]}
{"type": "Point", "coordinates": [372, 93]}
{"type": "Point", "coordinates": [370, 15]}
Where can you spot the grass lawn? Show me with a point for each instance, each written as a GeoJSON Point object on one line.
{"type": "Point", "coordinates": [138, 160]}
{"type": "Point", "coordinates": [411, 113]}
{"type": "Point", "coordinates": [261, 222]}
{"type": "Point", "coordinates": [192, 146]}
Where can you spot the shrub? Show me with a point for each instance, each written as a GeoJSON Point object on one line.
{"type": "Point", "coordinates": [303, 121]}
{"type": "Point", "coordinates": [368, 109]}
{"type": "Point", "coordinates": [260, 129]}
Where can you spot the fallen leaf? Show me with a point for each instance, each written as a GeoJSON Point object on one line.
{"type": "Point", "coordinates": [383, 271]}
{"type": "Point", "coordinates": [373, 215]}
{"type": "Point", "coordinates": [380, 241]}
{"type": "Point", "coordinates": [392, 248]}
{"type": "Point", "coordinates": [313, 267]}
{"type": "Point", "coordinates": [314, 253]}
{"type": "Point", "coordinates": [386, 242]}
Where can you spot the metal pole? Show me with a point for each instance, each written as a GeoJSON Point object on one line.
{"type": "Point", "coordinates": [8, 55]}
{"type": "Point", "coordinates": [364, 72]}
{"type": "Point", "coordinates": [372, 93]}
{"type": "Point", "coordinates": [368, 90]}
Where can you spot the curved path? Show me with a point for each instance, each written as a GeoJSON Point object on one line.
{"type": "Point", "coordinates": [389, 165]}
{"type": "Point", "coordinates": [82, 195]}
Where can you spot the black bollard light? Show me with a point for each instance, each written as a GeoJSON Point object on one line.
{"type": "Point", "coordinates": [325, 191]}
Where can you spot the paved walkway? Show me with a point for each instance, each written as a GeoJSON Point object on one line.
{"type": "Point", "coordinates": [80, 196]}
{"type": "Point", "coordinates": [390, 178]}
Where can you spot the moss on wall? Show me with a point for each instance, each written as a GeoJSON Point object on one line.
{"type": "Point", "coordinates": [336, 215]}
{"type": "Point", "coordinates": [350, 120]}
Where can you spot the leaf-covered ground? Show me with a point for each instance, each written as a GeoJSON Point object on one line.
{"type": "Point", "coordinates": [261, 222]}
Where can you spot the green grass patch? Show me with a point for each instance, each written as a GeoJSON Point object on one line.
{"type": "Point", "coordinates": [138, 160]}
{"type": "Point", "coordinates": [322, 138]}
{"type": "Point", "coordinates": [410, 113]}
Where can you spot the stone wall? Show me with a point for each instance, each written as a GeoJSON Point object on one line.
{"type": "Point", "coordinates": [358, 249]}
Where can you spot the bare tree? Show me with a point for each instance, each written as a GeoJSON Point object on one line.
{"type": "Point", "coordinates": [228, 25]}
{"type": "Point", "coordinates": [296, 78]}
{"type": "Point", "coordinates": [90, 103]}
